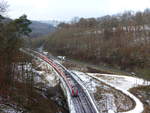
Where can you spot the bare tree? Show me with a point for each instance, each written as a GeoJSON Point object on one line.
{"type": "Point", "coordinates": [3, 7]}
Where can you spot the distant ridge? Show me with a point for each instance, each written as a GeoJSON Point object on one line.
{"type": "Point", "coordinates": [52, 22]}
{"type": "Point", "coordinates": [40, 29]}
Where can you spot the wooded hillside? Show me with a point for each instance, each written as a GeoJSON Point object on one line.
{"type": "Point", "coordinates": [121, 41]}
{"type": "Point", "coordinates": [10, 42]}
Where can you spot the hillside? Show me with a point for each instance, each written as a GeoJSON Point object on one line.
{"type": "Point", "coordinates": [40, 29]}
{"type": "Point", "coordinates": [52, 22]}
{"type": "Point", "coordinates": [120, 41]}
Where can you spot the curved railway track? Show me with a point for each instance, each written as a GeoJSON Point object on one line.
{"type": "Point", "coordinates": [82, 103]}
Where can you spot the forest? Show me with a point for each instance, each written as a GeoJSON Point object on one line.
{"type": "Point", "coordinates": [121, 41]}
{"type": "Point", "coordinates": [11, 33]}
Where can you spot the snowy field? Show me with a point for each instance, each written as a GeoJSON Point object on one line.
{"type": "Point", "coordinates": [123, 82]}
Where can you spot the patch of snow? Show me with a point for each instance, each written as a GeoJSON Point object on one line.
{"type": "Point", "coordinates": [45, 53]}
{"type": "Point", "coordinates": [110, 103]}
{"type": "Point", "coordinates": [123, 82]}
{"type": "Point", "coordinates": [111, 111]}
{"type": "Point", "coordinates": [25, 67]}
{"type": "Point", "coordinates": [87, 81]}
{"type": "Point", "coordinates": [106, 103]}
{"type": "Point", "coordinates": [69, 97]}
{"type": "Point", "coordinates": [138, 107]}
{"type": "Point", "coordinates": [64, 88]}
{"type": "Point", "coordinates": [85, 88]}
{"type": "Point", "coordinates": [48, 76]}
{"type": "Point", "coordinates": [63, 84]}
{"type": "Point", "coordinates": [8, 109]}
{"type": "Point", "coordinates": [61, 57]}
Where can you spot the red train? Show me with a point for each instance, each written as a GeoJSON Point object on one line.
{"type": "Point", "coordinates": [74, 90]}
{"type": "Point", "coordinates": [65, 74]}
{"type": "Point", "coordinates": [71, 83]}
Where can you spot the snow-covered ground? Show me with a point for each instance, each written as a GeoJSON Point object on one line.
{"type": "Point", "coordinates": [124, 83]}
{"type": "Point", "coordinates": [138, 107]}
{"type": "Point", "coordinates": [121, 83]}
{"type": "Point", "coordinates": [86, 88]}
{"type": "Point", "coordinates": [10, 109]}
{"type": "Point", "coordinates": [46, 74]}
{"type": "Point", "coordinates": [118, 82]}
{"type": "Point", "coordinates": [106, 104]}
{"type": "Point", "coordinates": [53, 78]}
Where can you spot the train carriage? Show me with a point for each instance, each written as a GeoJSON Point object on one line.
{"type": "Point", "coordinates": [73, 88]}
{"type": "Point", "coordinates": [65, 74]}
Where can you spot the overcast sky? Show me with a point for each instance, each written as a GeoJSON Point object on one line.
{"type": "Point", "coordinates": [67, 9]}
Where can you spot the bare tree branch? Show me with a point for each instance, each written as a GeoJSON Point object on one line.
{"type": "Point", "coordinates": [3, 7]}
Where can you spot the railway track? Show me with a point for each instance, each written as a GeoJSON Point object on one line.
{"type": "Point", "coordinates": [82, 103]}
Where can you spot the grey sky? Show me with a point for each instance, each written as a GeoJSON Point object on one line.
{"type": "Point", "coordinates": [67, 9]}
